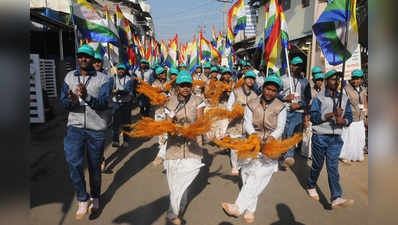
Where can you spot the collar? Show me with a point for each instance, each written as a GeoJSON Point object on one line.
{"type": "Point", "coordinates": [266, 102]}
{"type": "Point", "coordinates": [244, 90]}
{"type": "Point", "coordinates": [327, 93]}
{"type": "Point", "coordinates": [186, 99]}
{"type": "Point", "coordinates": [90, 73]}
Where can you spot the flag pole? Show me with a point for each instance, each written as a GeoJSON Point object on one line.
{"type": "Point", "coordinates": [344, 55]}
{"type": "Point", "coordinates": [288, 71]}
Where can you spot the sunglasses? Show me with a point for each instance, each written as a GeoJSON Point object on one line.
{"type": "Point", "coordinates": [185, 85]}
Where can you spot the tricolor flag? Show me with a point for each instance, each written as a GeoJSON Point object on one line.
{"type": "Point", "coordinates": [194, 60]}
{"type": "Point", "coordinates": [208, 51]}
{"type": "Point", "coordinates": [171, 59]}
{"type": "Point", "coordinates": [127, 56]}
{"type": "Point", "coordinates": [236, 19]}
{"type": "Point", "coordinates": [91, 25]}
{"type": "Point", "coordinates": [330, 30]}
{"type": "Point", "coordinates": [276, 37]}
{"type": "Point", "coordinates": [214, 37]}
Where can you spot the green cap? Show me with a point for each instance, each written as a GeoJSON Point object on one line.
{"type": "Point", "coordinates": [159, 70]}
{"type": "Point", "coordinates": [273, 79]}
{"type": "Point", "coordinates": [173, 70]}
{"type": "Point", "coordinates": [155, 65]}
{"type": "Point", "coordinates": [207, 65]}
{"type": "Point", "coordinates": [214, 69]}
{"type": "Point", "coordinates": [121, 66]}
{"type": "Point", "coordinates": [97, 56]}
{"type": "Point", "coordinates": [86, 49]}
{"type": "Point", "coordinates": [357, 73]}
{"type": "Point", "coordinates": [296, 60]}
{"type": "Point", "coordinates": [182, 65]}
{"type": "Point", "coordinates": [243, 63]}
{"type": "Point", "coordinates": [317, 69]}
{"type": "Point", "coordinates": [225, 70]}
{"type": "Point", "coordinates": [233, 67]}
{"type": "Point", "coordinates": [318, 76]}
{"type": "Point", "coordinates": [184, 77]}
{"type": "Point", "coordinates": [144, 61]}
{"type": "Point", "coordinates": [330, 73]}
{"type": "Point", "coordinates": [248, 64]}
{"type": "Point", "coordinates": [250, 73]}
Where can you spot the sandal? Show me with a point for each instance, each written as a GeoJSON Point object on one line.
{"type": "Point", "coordinates": [230, 209]}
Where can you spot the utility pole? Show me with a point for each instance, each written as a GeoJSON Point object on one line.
{"type": "Point", "coordinates": [225, 14]}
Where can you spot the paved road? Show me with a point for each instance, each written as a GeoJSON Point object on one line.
{"type": "Point", "coordinates": [136, 193]}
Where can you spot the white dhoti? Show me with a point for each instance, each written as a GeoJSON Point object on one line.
{"type": "Point", "coordinates": [306, 144]}
{"type": "Point", "coordinates": [180, 174]}
{"type": "Point", "coordinates": [162, 139]}
{"type": "Point", "coordinates": [255, 177]}
{"type": "Point", "coordinates": [354, 141]}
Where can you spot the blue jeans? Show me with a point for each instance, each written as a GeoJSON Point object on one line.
{"type": "Point", "coordinates": [121, 115]}
{"type": "Point", "coordinates": [75, 143]}
{"type": "Point", "coordinates": [294, 123]}
{"type": "Point", "coordinates": [329, 146]}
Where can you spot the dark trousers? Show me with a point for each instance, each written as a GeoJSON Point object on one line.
{"type": "Point", "coordinates": [121, 115]}
{"type": "Point", "coordinates": [294, 123]}
{"type": "Point", "coordinates": [76, 141]}
{"type": "Point", "coordinates": [144, 104]}
{"type": "Point", "coordinates": [329, 147]}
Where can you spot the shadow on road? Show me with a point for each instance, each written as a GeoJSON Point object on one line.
{"type": "Point", "coordinates": [301, 170]}
{"type": "Point", "coordinates": [285, 215]}
{"type": "Point", "coordinates": [146, 214]}
{"type": "Point", "coordinates": [131, 167]}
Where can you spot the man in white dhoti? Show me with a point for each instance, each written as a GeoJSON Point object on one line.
{"type": "Point", "coordinates": [265, 117]}
{"type": "Point", "coordinates": [183, 155]}
{"type": "Point", "coordinates": [241, 95]}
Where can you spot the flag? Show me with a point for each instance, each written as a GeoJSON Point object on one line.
{"type": "Point", "coordinates": [163, 50]}
{"type": "Point", "coordinates": [126, 55]}
{"type": "Point", "coordinates": [236, 19]}
{"type": "Point", "coordinates": [214, 37]}
{"type": "Point", "coordinates": [229, 53]}
{"type": "Point", "coordinates": [208, 51]}
{"type": "Point", "coordinates": [91, 25]}
{"type": "Point", "coordinates": [171, 59]}
{"type": "Point", "coordinates": [194, 60]}
{"type": "Point", "coordinates": [330, 30]}
{"type": "Point", "coordinates": [275, 37]}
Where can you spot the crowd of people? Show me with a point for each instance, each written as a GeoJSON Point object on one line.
{"type": "Point", "coordinates": [332, 117]}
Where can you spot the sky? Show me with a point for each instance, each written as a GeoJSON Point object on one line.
{"type": "Point", "coordinates": [185, 16]}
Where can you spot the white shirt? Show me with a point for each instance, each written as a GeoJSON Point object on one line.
{"type": "Point", "coordinates": [277, 133]}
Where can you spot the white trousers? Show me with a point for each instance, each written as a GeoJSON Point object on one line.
{"type": "Point", "coordinates": [180, 174]}
{"type": "Point", "coordinates": [255, 177]}
{"type": "Point", "coordinates": [354, 141]}
{"type": "Point", "coordinates": [162, 140]}
{"type": "Point", "coordinates": [306, 144]}
{"type": "Point", "coordinates": [233, 155]}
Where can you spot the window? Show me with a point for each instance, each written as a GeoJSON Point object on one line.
{"type": "Point", "coordinates": [305, 3]}
{"type": "Point", "coordinates": [285, 4]}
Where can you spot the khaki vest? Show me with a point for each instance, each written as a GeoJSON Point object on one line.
{"type": "Point", "coordinates": [352, 94]}
{"type": "Point", "coordinates": [265, 120]}
{"type": "Point", "coordinates": [185, 114]}
{"type": "Point", "coordinates": [158, 109]}
{"type": "Point", "coordinates": [235, 127]}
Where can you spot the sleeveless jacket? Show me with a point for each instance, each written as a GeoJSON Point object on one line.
{"type": "Point", "coordinates": [265, 119]}
{"type": "Point", "coordinates": [236, 125]}
{"type": "Point", "coordinates": [159, 109]}
{"type": "Point", "coordinates": [356, 99]}
{"type": "Point", "coordinates": [185, 113]}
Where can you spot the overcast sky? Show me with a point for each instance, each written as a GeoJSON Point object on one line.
{"type": "Point", "coordinates": [185, 16]}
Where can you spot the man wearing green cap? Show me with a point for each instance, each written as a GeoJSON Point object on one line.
{"type": "Point", "coordinates": [315, 70]}
{"type": "Point", "coordinates": [354, 135]}
{"type": "Point", "coordinates": [328, 120]}
{"type": "Point", "coordinates": [296, 93]}
{"type": "Point", "coordinates": [97, 63]}
{"type": "Point", "coordinates": [198, 75]}
{"type": "Point", "coordinates": [145, 74]}
{"type": "Point", "coordinates": [265, 117]}
{"type": "Point", "coordinates": [183, 155]}
{"type": "Point", "coordinates": [122, 97]}
{"type": "Point", "coordinates": [85, 95]}
{"type": "Point", "coordinates": [160, 82]}
{"type": "Point", "coordinates": [173, 76]}
{"type": "Point", "coordinates": [206, 69]}
{"type": "Point", "coordinates": [242, 96]}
